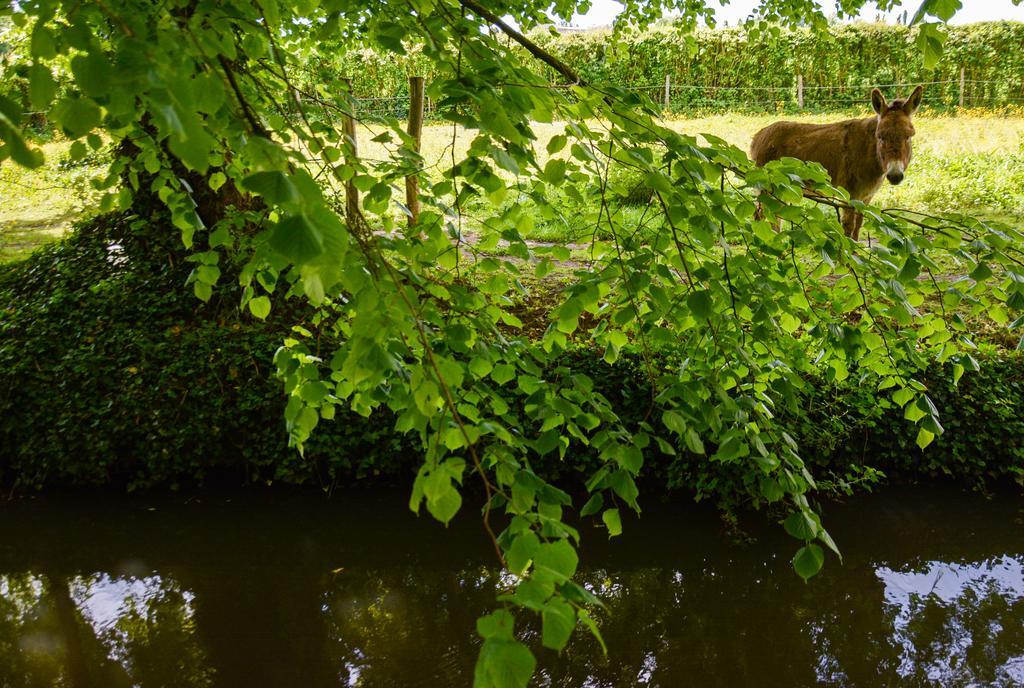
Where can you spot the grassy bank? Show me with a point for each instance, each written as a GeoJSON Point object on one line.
{"type": "Point", "coordinates": [973, 162]}
{"type": "Point", "coordinates": [39, 206]}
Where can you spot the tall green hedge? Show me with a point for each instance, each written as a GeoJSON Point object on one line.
{"type": "Point", "coordinates": [730, 68]}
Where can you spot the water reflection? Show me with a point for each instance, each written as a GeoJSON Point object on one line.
{"type": "Point", "coordinates": [97, 631]}
{"type": "Point", "coordinates": [946, 617]}
{"type": "Point", "coordinates": [358, 594]}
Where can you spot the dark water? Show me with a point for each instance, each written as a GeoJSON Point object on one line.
{"type": "Point", "coordinates": [298, 591]}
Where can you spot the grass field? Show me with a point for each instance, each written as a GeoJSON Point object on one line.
{"type": "Point", "coordinates": [973, 163]}
{"type": "Point", "coordinates": [39, 206]}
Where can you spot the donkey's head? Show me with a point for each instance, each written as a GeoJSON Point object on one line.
{"type": "Point", "coordinates": [894, 131]}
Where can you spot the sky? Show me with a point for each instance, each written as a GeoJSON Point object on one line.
{"type": "Point", "coordinates": [604, 11]}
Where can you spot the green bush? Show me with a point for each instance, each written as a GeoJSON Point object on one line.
{"type": "Point", "coordinates": [112, 372]}
{"type": "Point", "coordinates": [852, 435]}
{"type": "Point", "coordinates": [983, 417]}
{"type": "Point", "coordinates": [993, 181]}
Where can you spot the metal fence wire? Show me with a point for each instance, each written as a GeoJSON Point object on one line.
{"type": "Point", "coordinates": [681, 98]}
{"type": "Point", "coordinates": [690, 97]}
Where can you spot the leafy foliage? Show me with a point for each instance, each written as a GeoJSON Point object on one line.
{"type": "Point", "coordinates": [213, 415]}
{"type": "Point", "coordinates": [418, 320]}
{"type": "Point", "coordinates": [113, 374]}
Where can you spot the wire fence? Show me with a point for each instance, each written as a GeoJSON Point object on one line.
{"type": "Point", "coordinates": [683, 98]}
{"type": "Point", "coordinates": [687, 98]}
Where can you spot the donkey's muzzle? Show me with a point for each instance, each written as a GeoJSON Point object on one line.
{"type": "Point", "coordinates": [894, 178]}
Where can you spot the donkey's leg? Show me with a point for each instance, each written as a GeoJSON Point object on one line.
{"type": "Point", "coordinates": [850, 225]}
{"type": "Point", "coordinates": [858, 221]}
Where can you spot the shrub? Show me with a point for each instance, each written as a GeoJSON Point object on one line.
{"type": "Point", "coordinates": [113, 372]}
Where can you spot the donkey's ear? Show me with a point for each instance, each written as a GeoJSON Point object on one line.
{"type": "Point", "coordinates": [914, 101]}
{"type": "Point", "coordinates": [878, 101]}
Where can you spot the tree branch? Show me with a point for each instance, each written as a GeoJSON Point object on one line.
{"type": "Point", "coordinates": [534, 49]}
{"type": "Point", "coordinates": [247, 111]}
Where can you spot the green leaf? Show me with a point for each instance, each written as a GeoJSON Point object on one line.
{"type": "Point", "coordinates": [503, 664]}
{"type": "Point", "coordinates": [593, 505]}
{"type": "Point", "coordinates": [521, 553]}
{"type": "Point", "coordinates": [903, 395]}
{"type": "Point", "coordinates": [924, 437]}
{"type": "Point", "coordinates": [808, 560]}
{"type": "Point", "coordinates": [480, 367]}
{"type": "Point", "coordinates": [42, 44]}
{"type": "Point", "coordinates": [92, 74]}
{"type": "Point", "coordinates": [41, 86]}
{"type": "Point", "coordinates": [523, 493]}
{"type": "Point", "coordinates": [558, 557]}
{"type": "Point", "coordinates": [612, 522]}
{"type": "Point", "coordinates": [76, 116]}
{"type": "Point", "coordinates": [297, 239]}
{"type": "Point", "coordinates": [208, 274]}
{"type": "Point", "coordinates": [313, 286]}
{"type": "Point", "coordinates": [981, 272]}
{"type": "Point", "coordinates": [693, 442]}
{"type": "Point", "coordinates": [502, 373]}
{"type": "Point", "coordinates": [631, 458]}
{"type": "Point", "coordinates": [426, 397]}
{"type": "Point", "coordinates": [801, 526]}
{"type": "Point", "coordinates": [943, 9]}
{"type": "Point", "coordinates": [914, 412]}
{"type": "Point", "coordinates": [731, 449]}
{"type": "Point", "coordinates": [203, 290]}
{"type": "Point", "coordinates": [829, 542]}
{"type": "Point", "coordinates": [771, 490]}
{"type": "Point", "coordinates": [559, 620]}
{"type": "Point", "coordinates": [313, 392]}
{"type": "Point", "coordinates": [444, 504]}
{"type": "Point", "coordinates": [533, 593]}
{"type": "Point", "coordinates": [376, 201]}
{"type": "Point", "coordinates": [554, 171]}
{"type": "Point", "coordinates": [497, 625]}
{"type": "Point", "coordinates": [700, 304]}
{"type": "Point", "coordinates": [275, 187]}
{"type": "Point", "coordinates": [557, 143]}
{"type": "Point", "coordinates": [77, 151]}
{"type": "Point", "coordinates": [16, 146]}
{"type": "Point", "coordinates": [674, 421]}
{"type": "Point", "coordinates": [625, 487]}
{"type": "Point", "coordinates": [929, 41]}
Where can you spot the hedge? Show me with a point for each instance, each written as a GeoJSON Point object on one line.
{"type": "Point", "coordinates": [112, 373]}
{"type": "Point", "coordinates": [731, 68]}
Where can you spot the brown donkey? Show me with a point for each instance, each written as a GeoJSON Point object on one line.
{"type": "Point", "coordinates": [857, 153]}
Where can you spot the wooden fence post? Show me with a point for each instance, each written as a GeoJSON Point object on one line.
{"type": "Point", "coordinates": [412, 182]}
{"type": "Point", "coordinates": [349, 130]}
{"type": "Point", "coordinates": [963, 81]}
{"type": "Point", "coordinates": [800, 91]}
{"type": "Point", "coordinates": [668, 91]}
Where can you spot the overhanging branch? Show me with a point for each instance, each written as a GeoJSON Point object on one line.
{"type": "Point", "coordinates": [534, 49]}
